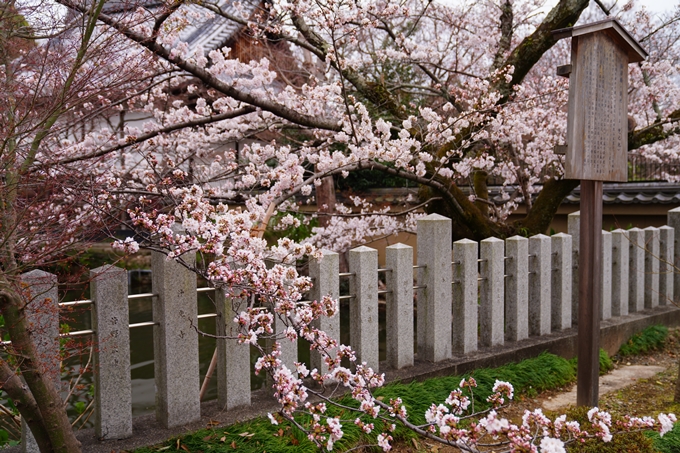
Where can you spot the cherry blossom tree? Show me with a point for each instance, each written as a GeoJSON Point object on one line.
{"type": "Point", "coordinates": [412, 89]}
{"type": "Point", "coordinates": [110, 107]}
{"type": "Point", "coordinates": [52, 72]}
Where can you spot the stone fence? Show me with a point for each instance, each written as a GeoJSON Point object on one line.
{"type": "Point", "coordinates": [469, 296]}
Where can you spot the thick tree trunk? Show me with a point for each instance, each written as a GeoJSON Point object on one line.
{"type": "Point", "coordinates": [543, 210]}
{"type": "Point", "coordinates": [472, 223]}
{"type": "Point", "coordinates": [50, 427]}
{"type": "Point", "coordinates": [481, 191]}
{"type": "Point", "coordinates": [26, 404]}
{"type": "Point", "coordinates": [476, 225]}
{"type": "Point", "coordinates": [325, 200]}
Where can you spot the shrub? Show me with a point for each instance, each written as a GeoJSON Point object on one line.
{"type": "Point", "coordinates": [650, 339]}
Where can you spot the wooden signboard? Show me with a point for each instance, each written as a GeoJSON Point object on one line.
{"type": "Point", "coordinates": [597, 124]}
{"type": "Point", "coordinates": [597, 145]}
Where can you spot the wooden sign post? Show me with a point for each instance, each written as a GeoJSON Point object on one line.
{"type": "Point", "coordinates": [597, 145]}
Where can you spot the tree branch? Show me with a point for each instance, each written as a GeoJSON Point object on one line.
{"type": "Point", "coordinates": [210, 80]}
{"type": "Point", "coordinates": [133, 140]}
{"type": "Point", "coordinates": [504, 43]}
{"type": "Point", "coordinates": [540, 216]}
{"type": "Point", "coordinates": [531, 49]}
{"type": "Point", "coordinates": [654, 132]}
{"type": "Point", "coordinates": [375, 93]}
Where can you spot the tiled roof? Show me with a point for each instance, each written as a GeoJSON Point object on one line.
{"type": "Point", "coordinates": [213, 33]}
{"type": "Point", "coordinates": [632, 193]}
{"type": "Point", "coordinates": [210, 33]}
{"type": "Point", "coordinates": [614, 193]}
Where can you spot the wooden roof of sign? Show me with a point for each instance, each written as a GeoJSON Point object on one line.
{"type": "Point", "coordinates": [614, 29]}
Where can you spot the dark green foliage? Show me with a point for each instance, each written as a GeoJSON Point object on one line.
{"type": "Point", "coordinates": [606, 364]}
{"type": "Point", "coordinates": [5, 441]}
{"type": "Point", "coordinates": [669, 443]}
{"type": "Point", "coordinates": [370, 179]}
{"type": "Point", "coordinates": [636, 442]}
{"type": "Point", "coordinates": [297, 234]}
{"type": "Point", "coordinates": [650, 339]}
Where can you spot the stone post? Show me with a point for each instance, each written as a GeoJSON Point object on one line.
{"type": "Point", "coordinates": [574, 228]}
{"type": "Point", "coordinates": [560, 294]}
{"type": "Point", "coordinates": [465, 305]}
{"type": "Point", "coordinates": [666, 240]}
{"type": "Point", "coordinates": [434, 300]}
{"type": "Point", "coordinates": [112, 383]}
{"type": "Point", "coordinates": [620, 272]}
{"type": "Point", "coordinates": [363, 311]}
{"type": "Point", "coordinates": [606, 305]}
{"type": "Point", "coordinates": [175, 342]}
{"type": "Point", "coordinates": [326, 282]}
{"type": "Point", "coordinates": [652, 255]}
{"type": "Point", "coordinates": [492, 301]}
{"type": "Point", "coordinates": [539, 284]}
{"type": "Point", "coordinates": [289, 349]}
{"type": "Point", "coordinates": [399, 312]}
{"type": "Point", "coordinates": [233, 358]}
{"type": "Point", "coordinates": [673, 221]}
{"type": "Point", "coordinates": [43, 316]}
{"type": "Point", "coordinates": [636, 277]}
{"type": "Point", "coordinates": [517, 288]}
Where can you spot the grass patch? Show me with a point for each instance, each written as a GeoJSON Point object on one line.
{"type": "Point", "coordinates": [547, 371]}
{"type": "Point", "coordinates": [606, 363]}
{"type": "Point", "coordinates": [650, 339]}
{"type": "Point", "coordinates": [669, 443]}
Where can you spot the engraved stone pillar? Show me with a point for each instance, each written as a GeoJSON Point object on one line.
{"type": "Point", "coordinates": [233, 358]}
{"type": "Point", "coordinates": [620, 272]}
{"type": "Point", "coordinates": [465, 305]}
{"type": "Point", "coordinates": [673, 220]}
{"type": "Point", "coordinates": [491, 308]}
{"type": "Point", "coordinates": [539, 284]}
{"type": "Point", "coordinates": [175, 342]}
{"type": "Point", "coordinates": [560, 293]}
{"type": "Point", "coordinates": [606, 305]}
{"type": "Point", "coordinates": [43, 315]}
{"type": "Point", "coordinates": [399, 300]}
{"type": "Point", "coordinates": [651, 267]}
{"type": "Point", "coordinates": [666, 240]}
{"type": "Point", "coordinates": [574, 228]}
{"type": "Point", "coordinates": [636, 277]}
{"type": "Point", "coordinates": [326, 281]}
{"type": "Point", "coordinates": [517, 288]}
{"type": "Point", "coordinates": [112, 383]}
{"type": "Point", "coordinates": [363, 311]}
{"type": "Point", "coordinates": [289, 349]}
{"type": "Point", "coordinates": [434, 301]}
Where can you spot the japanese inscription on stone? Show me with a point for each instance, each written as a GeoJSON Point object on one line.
{"type": "Point", "coordinates": [598, 105]}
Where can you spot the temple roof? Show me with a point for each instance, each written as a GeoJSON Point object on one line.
{"type": "Point", "coordinates": [209, 32]}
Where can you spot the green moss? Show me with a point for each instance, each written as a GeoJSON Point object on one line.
{"type": "Point", "coordinates": [636, 442]}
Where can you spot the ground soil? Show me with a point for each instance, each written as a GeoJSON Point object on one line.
{"type": "Point", "coordinates": [643, 397]}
